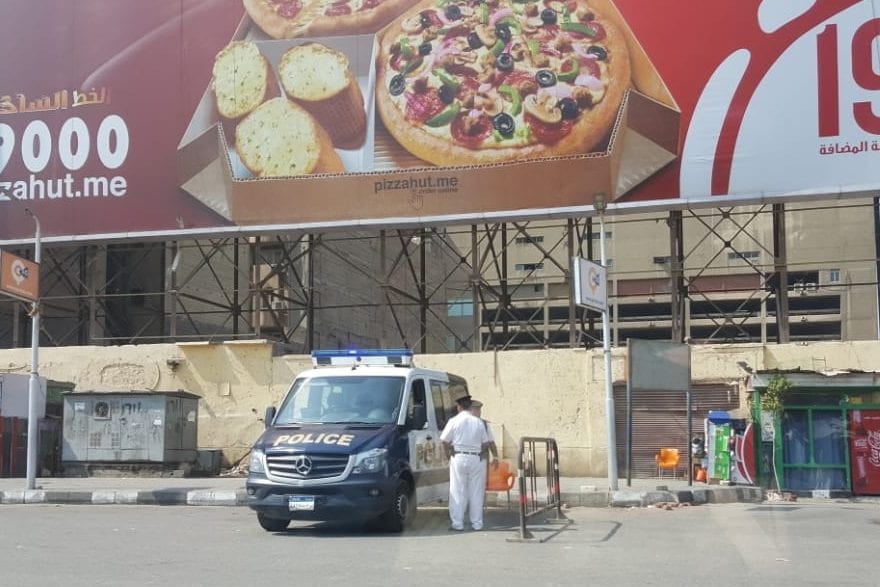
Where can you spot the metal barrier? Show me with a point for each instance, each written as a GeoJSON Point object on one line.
{"type": "Point", "coordinates": [531, 500]}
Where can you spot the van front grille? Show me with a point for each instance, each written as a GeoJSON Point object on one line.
{"type": "Point", "coordinates": [306, 466]}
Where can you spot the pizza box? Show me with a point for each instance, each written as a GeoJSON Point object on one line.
{"type": "Point", "coordinates": [385, 181]}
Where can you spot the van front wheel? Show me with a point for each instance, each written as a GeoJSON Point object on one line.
{"type": "Point", "coordinates": [402, 511]}
{"type": "Point", "coordinates": [272, 524]}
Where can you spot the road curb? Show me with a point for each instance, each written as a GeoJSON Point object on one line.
{"type": "Point", "coordinates": [227, 497]}
{"type": "Point", "coordinates": [624, 498]}
{"type": "Point", "coordinates": [201, 497]}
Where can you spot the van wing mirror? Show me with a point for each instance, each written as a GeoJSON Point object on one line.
{"type": "Point", "coordinates": [270, 415]}
{"type": "Point", "coordinates": [419, 418]}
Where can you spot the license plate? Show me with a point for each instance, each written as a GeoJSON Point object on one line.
{"type": "Point", "coordinates": [301, 503]}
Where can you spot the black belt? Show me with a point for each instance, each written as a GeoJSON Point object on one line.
{"type": "Point", "coordinates": [464, 452]}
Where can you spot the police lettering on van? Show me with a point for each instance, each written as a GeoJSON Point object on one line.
{"type": "Point", "coordinates": [355, 438]}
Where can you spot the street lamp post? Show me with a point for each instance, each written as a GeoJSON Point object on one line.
{"type": "Point", "coordinates": [600, 204]}
{"type": "Point", "coordinates": [34, 381]}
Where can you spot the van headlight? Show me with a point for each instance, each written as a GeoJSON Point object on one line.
{"type": "Point", "coordinates": [256, 462]}
{"type": "Point", "coordinates": [372, 461]}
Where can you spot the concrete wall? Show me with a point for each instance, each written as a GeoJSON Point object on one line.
{"type": "Point", "coordinates": [558, 393]}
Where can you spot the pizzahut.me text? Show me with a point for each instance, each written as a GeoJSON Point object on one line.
{"type": "Point", "coordinates": [420, 184]}
{"type": "Point", "coordinates": [66, 187]}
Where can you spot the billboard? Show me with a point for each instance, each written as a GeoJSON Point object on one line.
{"type": "Point", "coordinates": [658, 365]}
{"type": "Point", "coordinates": [131, 119]}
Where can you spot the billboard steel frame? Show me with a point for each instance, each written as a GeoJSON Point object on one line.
{"type": "Point", "coordinates": [254, 294]}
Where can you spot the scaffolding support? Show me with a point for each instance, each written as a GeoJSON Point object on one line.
{"type": "Point", "coordinates": [490, 286]}
{"type": "Point", "coordinates": [780, 266]}
{"type": "Point", "coordinates": [677, 289]}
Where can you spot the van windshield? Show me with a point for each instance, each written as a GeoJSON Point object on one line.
{"type": "Point", "coordinates": [342, 399]}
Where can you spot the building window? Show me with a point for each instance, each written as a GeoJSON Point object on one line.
{"type": "Point", "coordinates": [744, 255]}
{"type": "Point", "coordinates": [529, 240]}
{"type": "Point", "coordinates": [460, 308]}
{"type": "Point", "coordinates": [662, 260]}
{"type": "Point", "coordinates": [529, 266]}
{"type": "Point", "coordinates": [834, 276]}
{"type": "Point", "coordinates": [595, 236]}
{"type": "Point", "coordinates": [813, 449]}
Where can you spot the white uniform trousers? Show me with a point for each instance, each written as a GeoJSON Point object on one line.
{"type": "Point", "coordinates": [467, 490]}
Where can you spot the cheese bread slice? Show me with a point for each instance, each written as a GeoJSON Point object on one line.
{"type": "Point", "coordinates": [320, 80]}
{"type": "Point", "coordinates": [281, 139]}
{"type": "Point", "coordinates": [242, 80]}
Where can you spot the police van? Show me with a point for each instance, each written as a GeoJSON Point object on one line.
{"type": "Point", "coordinates": [356, 438]}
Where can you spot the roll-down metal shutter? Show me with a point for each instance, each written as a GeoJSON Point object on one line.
{"type": "Point", "coordinates": [660, 421]}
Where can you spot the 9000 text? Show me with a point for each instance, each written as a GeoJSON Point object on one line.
{"type": "Point", "coordinates": [74, 143]}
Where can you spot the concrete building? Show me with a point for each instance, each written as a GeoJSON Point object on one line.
{"type": "Point", "coordinates": [728, 268]}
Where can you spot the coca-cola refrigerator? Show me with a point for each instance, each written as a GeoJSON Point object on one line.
{"type": "Point", "coordinates": [864, 446]}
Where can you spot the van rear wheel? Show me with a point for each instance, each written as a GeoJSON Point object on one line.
{"type": "Point", "coordinates": [402, 511]}
{"type": "Point", "coordinates": [272, 524]}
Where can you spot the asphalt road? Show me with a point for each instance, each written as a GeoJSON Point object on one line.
{"type": "Point", "coordinates": [819, 543]}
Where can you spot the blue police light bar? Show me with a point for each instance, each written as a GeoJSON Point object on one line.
{"type": "Point", "coordinates": [354, 357]}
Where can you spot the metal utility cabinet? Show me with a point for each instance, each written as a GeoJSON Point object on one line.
{"type": "Point", "coordinates": [130, 427]}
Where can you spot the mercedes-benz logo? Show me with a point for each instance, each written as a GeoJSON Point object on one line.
{"type": "Point", "coordinates": [302, 465]}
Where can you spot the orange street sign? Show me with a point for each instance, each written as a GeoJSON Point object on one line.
{"type": "Point", "coordinates": [19, 277]}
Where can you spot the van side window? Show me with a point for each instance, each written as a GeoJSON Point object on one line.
{"type": "Point", "coordinates": [416, 398]}
{"type": "Point", "coordinates": [444, 402]}
{"type": "Point", "coordinates": [437, 395]}
{"type": "Point", "coordinates": [449, 401]}
{"type": "Point", "coordinates": [457, 386]}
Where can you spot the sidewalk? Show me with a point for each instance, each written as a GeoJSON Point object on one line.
{"type": "Point", "coordinates": [230, 491]}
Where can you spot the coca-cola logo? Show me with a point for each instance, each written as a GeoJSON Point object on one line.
{"type": "Point", "coordinates": [874, 443]}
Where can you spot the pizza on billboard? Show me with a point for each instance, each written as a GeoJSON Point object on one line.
{"type": "Point", "coordinates": [446, 91]}
{"type": "Point", "coordinates": [456, 83]}
{"type": "Point", "coordinates": [288, 19]}
{"type": "Point", "coordinates": [480, 82]}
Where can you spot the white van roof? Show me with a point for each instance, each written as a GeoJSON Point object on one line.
{"type": "Point", "coordinates": [357, 357]}
{"type": "Point", "coordinates": [372, 362]}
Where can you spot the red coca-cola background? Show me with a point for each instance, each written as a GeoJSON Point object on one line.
{"type": "Point", "coordinates": [865, 451]}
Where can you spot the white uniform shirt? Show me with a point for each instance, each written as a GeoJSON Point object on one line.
{"type": "Point", "coordinates": [465, 432]}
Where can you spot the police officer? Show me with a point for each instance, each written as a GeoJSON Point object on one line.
{"type": "Point", "coordinates": [463, 438]}
{"type": "Point", "coordinates": [489, 453]}
{"type": "Point", "coordinates": [490, 448]}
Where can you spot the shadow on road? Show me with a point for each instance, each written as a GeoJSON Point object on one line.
{"type": "Point", "coordinates": [433, 522]}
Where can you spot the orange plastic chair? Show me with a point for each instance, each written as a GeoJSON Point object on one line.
{"type": "Point", "coordinates": [500, 479]}
{"type": "Point", "coordinates": [667, 458]}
